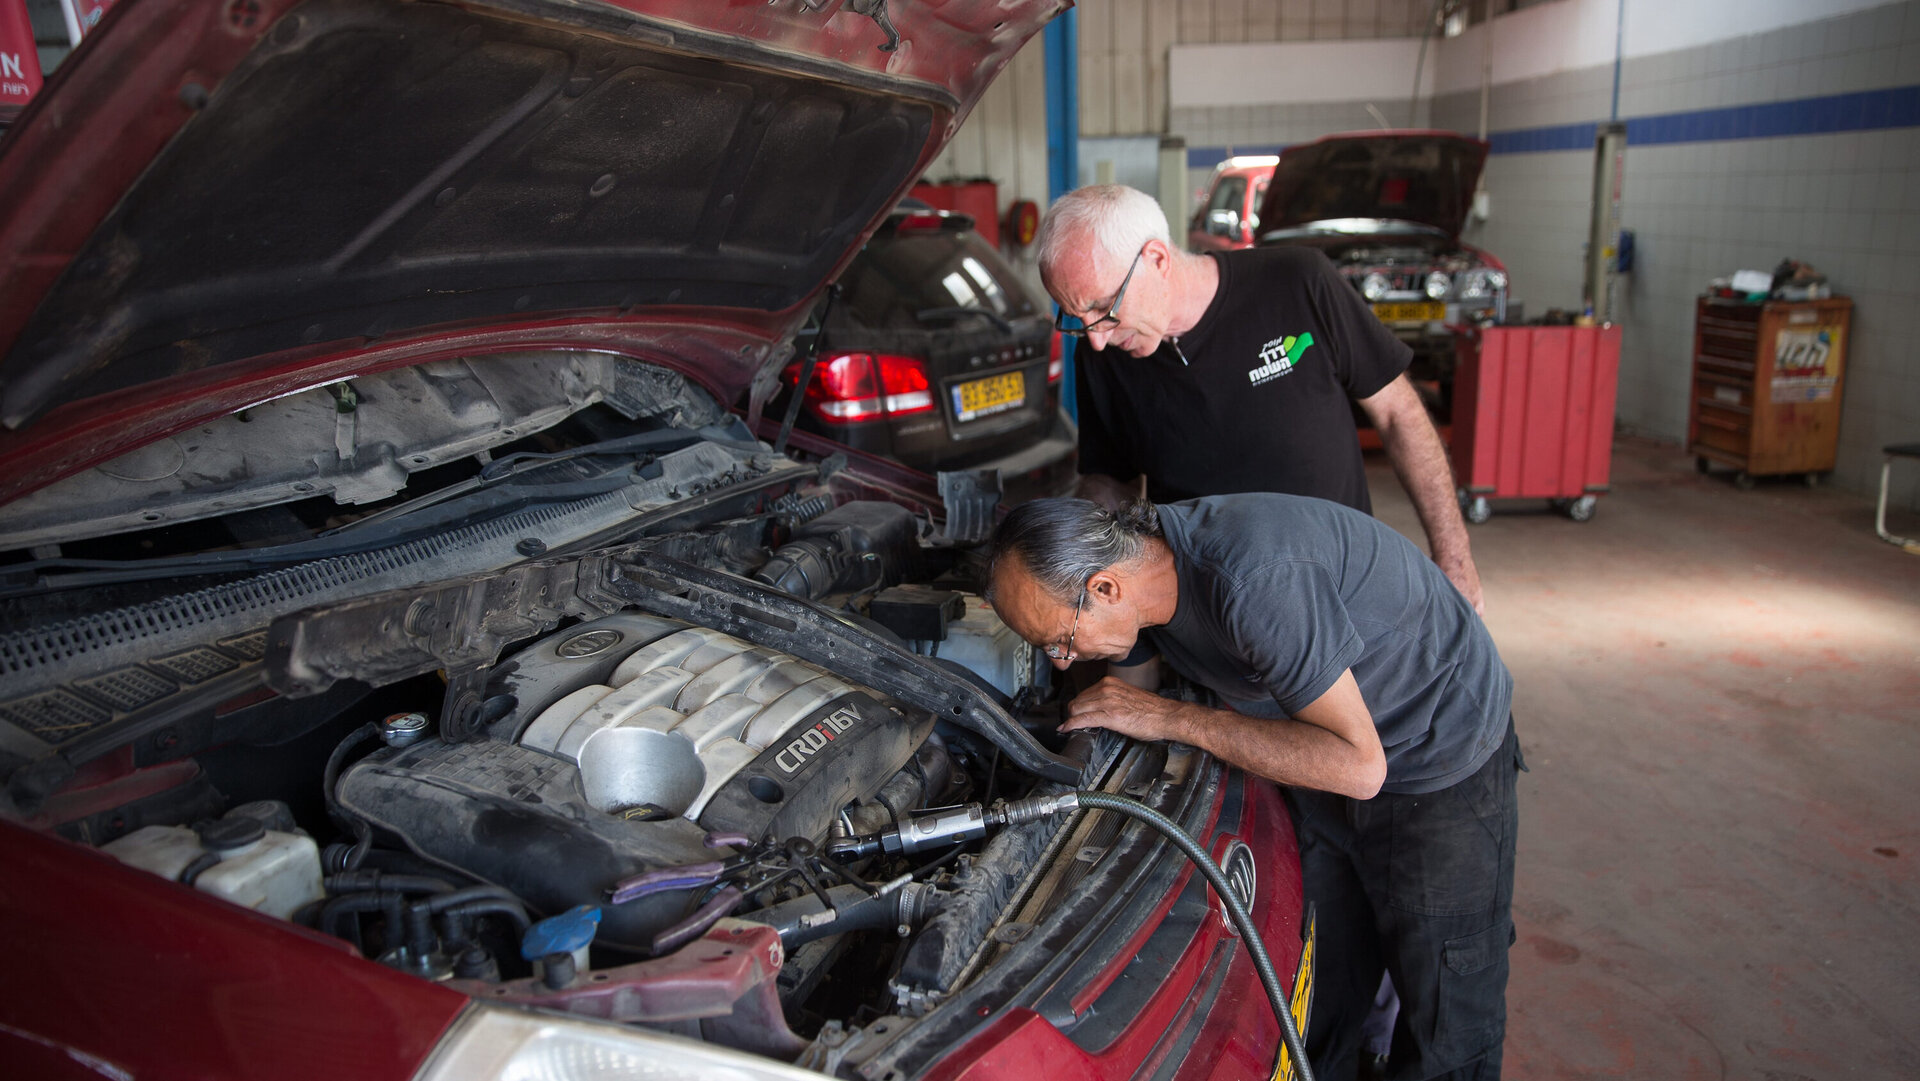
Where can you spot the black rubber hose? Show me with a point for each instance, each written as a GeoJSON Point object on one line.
{"type": "Point", "coordinates": [390, 902]}
{"type": "Point", "coordinates": [1242, 919]}
{"type": "Point", "coordinates": [857, 912]}
{"type": "Point", "coordinates": [355, 881]}
{"type": "Point", "coordinates": [361, 829]}
{"type": "Point", "coordinates": [490, 906]}
{"type": "Point", "coordinates": [200, 865]}
{"type": "Point", "coordinates": [445, 901]}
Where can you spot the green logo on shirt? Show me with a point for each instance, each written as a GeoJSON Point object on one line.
{"type": "Point", "coordinates": [1278, 357]}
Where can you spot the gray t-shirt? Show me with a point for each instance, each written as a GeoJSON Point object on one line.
{"type": "Point", "coordinates": [1280, 594]}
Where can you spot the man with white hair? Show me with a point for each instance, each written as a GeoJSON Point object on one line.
{"type": "Point", "coordinates": [1233, 372]}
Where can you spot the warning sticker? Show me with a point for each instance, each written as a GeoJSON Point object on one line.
{"type": "Point", "coordinates": [1806, 364]}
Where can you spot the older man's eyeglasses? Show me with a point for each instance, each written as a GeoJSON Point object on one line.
{"type": "Point", "coordinates": [1056, 652]}
{"type": "Point", "coordinates": [1076, 327]}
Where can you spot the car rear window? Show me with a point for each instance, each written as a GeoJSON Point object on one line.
{"type": "Point", "coordinates": [1230, 195]}
{"type": "Point", "coordinates": [902, 275]}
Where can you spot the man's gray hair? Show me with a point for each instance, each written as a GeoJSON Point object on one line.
{"type": "Point", "coordinates": [1064, 542]}
{"type": "Point", "coordinates": [1119, 220]}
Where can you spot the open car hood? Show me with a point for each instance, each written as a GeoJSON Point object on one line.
{"type": "Point", "coordinates": [214, 205]}
{"type": "Point", "coordinates": [1426, 177]}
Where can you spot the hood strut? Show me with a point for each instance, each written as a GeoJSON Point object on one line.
{"type": "Point", "coordinates": [806, 373]}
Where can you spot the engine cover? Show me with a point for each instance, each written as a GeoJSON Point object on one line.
{"type": "Point", "coordinates": [627, 740]}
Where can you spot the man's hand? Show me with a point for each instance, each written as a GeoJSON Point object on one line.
{"type": "Point", "coordinates": [1121, 707]}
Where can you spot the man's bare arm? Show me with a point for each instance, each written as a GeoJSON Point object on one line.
{"type": "Point", "coordinates": [1420, 461]}
{"type": "Point", "coordinates": [1331, 744]}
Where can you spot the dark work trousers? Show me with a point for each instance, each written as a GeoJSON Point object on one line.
{"type": "Point", "coordinates": [1421, 885]}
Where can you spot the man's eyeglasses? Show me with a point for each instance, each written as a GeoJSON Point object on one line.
{"type": "Point", "coordinates": [1079, 606]}
{"type": "Point", "coordinates": [1074, 326]}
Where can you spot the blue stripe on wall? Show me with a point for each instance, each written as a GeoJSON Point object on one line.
{"type": "Point", "coordinates": [1865, 110]}
{"type": "Point", "coordinates": [1534, 140]}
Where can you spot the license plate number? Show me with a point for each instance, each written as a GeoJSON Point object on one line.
{"type": "Point", "coordinates": [978, 398]}
{"type": "Point", "coordinates": [1413, 312]}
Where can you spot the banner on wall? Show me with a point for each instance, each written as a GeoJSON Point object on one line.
{"type": "Point", "coordinates": [19, 59]}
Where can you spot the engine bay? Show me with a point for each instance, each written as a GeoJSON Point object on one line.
{"type": "Point", "coordinates": [631, 717]}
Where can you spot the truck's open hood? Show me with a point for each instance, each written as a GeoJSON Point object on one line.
{"type": "Point", "coordinates": [211, 204]}
{"type": "Point", "coordinates": [1418, 176]}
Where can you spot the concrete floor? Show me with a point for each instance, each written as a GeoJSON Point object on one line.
{"type": "Point", "coordinates": [1718, 694]}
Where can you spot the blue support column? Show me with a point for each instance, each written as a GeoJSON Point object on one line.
{"type": "Point", "coordinates": [1061, 41]}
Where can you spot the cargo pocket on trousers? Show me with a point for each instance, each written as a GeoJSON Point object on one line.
{"type": "Point", "coordinates": [1472, 1014]}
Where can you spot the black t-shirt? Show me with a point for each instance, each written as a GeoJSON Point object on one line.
{"type": "Point", "coordinates": [1279, 595]}
{"type": "Point", "coordinates": [1263, 402]}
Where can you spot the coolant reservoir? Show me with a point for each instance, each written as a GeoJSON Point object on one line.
{"type": "Point", "coordinates": [988, 647]}
{"type": "Point", "coordinates": [265, 870]}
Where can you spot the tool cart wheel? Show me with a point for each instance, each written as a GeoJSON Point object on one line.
{"type": "Point", "coordinates": [1479, 510]}
{"type": "Point", "coordinates": [1581, 509]}
{"type": "Point", "coordinates": [1743, 480]}
{"type": "Point", "coordinates": [1813, 479]}
{"type": "Point", "coordinates": [1700, 463]}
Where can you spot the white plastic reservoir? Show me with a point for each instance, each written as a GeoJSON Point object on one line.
{"type": "Point", "coordinates": [988, 647]}
{"type": "Point", "coordinates": [276, 874]}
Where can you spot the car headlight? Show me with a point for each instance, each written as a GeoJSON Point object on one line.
{"type": "Point", "coordinates": [1437, 285]}
{"type": "Point", "coordinates": [1473, 285]}
{"type": "Point", "coordinates": [1374, 286]}
{"type": "Point", "coordinates": [494, 1044]}
{"type": "Point", "coordinates": [1496, 280]}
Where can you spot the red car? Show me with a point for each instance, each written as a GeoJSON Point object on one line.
{"type": "Point", "coordinates": [1388, 208]}
{"type": "Point", "coordinates": [413, 669]}
{"type": "Point", "coordinates": [1229, 214]}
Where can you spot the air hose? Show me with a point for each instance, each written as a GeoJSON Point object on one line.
{"type": "Point", "coordinates": [1027, 810]}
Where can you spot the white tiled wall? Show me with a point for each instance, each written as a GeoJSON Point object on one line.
{"type": "Point", "coordinates": [1259, 129]}
{"type": "Point", "coordinates": [1847, 202]}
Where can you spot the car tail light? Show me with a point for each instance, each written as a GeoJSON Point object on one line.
{"type": "Point", "coordinates": [845, 388]}
{"type": "Point", "coordinates": [919, 223]}
{"type": "Point", "coordinates": [1055, 365]}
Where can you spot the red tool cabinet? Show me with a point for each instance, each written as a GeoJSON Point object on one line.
{"type": "Point", "coordinates": [1533, 416]}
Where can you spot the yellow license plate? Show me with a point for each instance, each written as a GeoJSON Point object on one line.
{"type": "Point", "coordinates": [985, 397]}
{"type": "Point", "coordinates": [1301, 1003]}
{"type": "Point", "coordinates": [1414, 312]}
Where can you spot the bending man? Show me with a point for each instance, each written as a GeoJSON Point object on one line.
{"type": "Point", "coordinates": [1352, 672]}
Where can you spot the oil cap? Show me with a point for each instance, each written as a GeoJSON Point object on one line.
{"type": "Point", "coordinates": [403, 729]}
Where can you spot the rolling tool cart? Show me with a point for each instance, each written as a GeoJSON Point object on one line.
{"type": "Point", "coordinates": [1766, 386]}
{"type": "Point", "coordinates": [1533, 416]}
